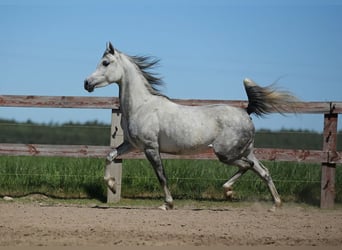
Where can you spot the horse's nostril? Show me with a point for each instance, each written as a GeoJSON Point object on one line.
{"type": "Point", "coordinates": [86, 84]}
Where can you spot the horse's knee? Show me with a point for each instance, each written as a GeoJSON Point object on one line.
{"type": "Point", "coordinates": [112, 155]}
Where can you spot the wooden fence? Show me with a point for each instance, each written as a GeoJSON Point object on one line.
{"type": "Point", "coordinates": [328, 156]}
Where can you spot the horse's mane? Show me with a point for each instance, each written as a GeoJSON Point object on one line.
{"type": "Point", "coordinates": [145, 64]}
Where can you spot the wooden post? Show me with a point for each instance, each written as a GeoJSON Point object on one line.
{"type": "Point", "coordinates": [329, 167]}
{"type": "Point", "coordinates": [115, 167]}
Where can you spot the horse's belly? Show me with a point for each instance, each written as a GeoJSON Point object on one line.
{"type": "Point", "coordinates": [183, 149]}
{"type": "Point", "coordinates": [186, 141]}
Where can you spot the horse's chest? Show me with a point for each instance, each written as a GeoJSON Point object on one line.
{"type": "Point", "coordinates": [134, 132]}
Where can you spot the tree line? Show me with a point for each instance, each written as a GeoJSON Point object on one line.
{"type": "Point", "coordinates": [97, 133]}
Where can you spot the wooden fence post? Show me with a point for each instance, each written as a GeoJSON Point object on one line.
{"type": "Point", "coordinates": [115, 167]}
{"type": "Point", "coordinates": [329, 167]}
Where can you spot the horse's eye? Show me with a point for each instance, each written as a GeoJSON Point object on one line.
{"type": "Point", "coordinates": [105, 63]}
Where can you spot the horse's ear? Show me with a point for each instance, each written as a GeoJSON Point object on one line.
{"type": "Point", "coordinates": [110, 48]}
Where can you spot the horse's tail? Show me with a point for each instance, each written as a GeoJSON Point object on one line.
{"type": "Point", "coordinates": [263, 100]}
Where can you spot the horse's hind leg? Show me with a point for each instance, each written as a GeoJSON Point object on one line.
{"type": "Point", "coordinates": [154, 157]}
{"type": "Point", "coordinates": [243, 167]}
{"type": "Point", "coordinates": [264, 174]}
{"type": "Point", "coordinates": [234, 153]}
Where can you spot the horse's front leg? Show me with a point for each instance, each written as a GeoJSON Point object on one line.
{"type": "Point", "coordinates": [154, 157]}
{"type": "Point", "coordinates": [123, 148]}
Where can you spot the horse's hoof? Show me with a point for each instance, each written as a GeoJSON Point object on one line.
{"type": "Point", "coordinates": [276, 206]}
{"type": "Point", "coordinates": [229, 193]}
{"type": "Point", "coordinates": [272, 209]}
{"type": "Point", "coordinates": [111, 185]}
{"type": "Point", "coordinates": [163, 207]}
{"type": "Point", "coordinates": [166, 207]}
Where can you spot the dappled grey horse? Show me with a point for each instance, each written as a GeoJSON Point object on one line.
{"type": "Point", "coordinates": [153, 123]}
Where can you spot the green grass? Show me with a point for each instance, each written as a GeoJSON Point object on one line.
{"type": "Point", "coordinates": [202, 179]}
{"type": "Point", "coordinates": [57, 177]}
{"type": "Point", "coordinates": [198, 179]}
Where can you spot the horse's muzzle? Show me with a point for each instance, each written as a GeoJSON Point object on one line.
{"type": "Point", "coordinates": [88, 86]}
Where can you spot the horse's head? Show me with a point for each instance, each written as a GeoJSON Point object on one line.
{"type": "Point", "coordinates": [107, 71]}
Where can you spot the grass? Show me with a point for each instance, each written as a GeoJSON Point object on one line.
{"type": "Point", "coordinates": [203, 179]}
{"type": "Point", "coordinates": [196, 180]}
{"type": "Point", "coordinates": [57, 177]}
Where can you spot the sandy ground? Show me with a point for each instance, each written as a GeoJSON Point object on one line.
{"type": "Point", "coordinates": [34, 224]}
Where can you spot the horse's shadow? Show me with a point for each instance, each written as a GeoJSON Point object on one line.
{"type": "Point", "coordinates": [95, 191]}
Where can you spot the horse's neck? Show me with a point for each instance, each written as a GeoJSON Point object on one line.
{"type": "Point", "coordinates": [132, 90]}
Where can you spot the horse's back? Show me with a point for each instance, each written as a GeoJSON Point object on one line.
{"type": "Point", "coordinates": [219, 115]}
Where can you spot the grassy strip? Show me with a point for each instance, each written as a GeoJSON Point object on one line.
{"type": "Point", "coordinates": [57, 177]}
{"type": "Point", "coordinates": [199, 179]}
{"type": "Point", "coordinates": [204, 179]}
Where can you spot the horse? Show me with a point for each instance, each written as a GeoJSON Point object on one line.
{"type": "Point", "coordinates": [154, 124]}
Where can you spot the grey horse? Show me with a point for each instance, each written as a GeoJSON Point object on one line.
{"type": "Point", "coordinates": [153, 123]}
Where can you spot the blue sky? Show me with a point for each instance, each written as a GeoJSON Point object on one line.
{"type": "Point", "coordinates": [206, 49]}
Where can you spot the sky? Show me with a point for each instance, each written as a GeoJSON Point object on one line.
{"type": "Point", "coordinates": [206, 49]}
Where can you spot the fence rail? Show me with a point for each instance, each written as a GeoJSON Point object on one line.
{"type": "Point", "coordinates": [328, 156]}
{"type": "Point", "coordinates": [270, 154]}
{"type": "Point", "coordinates": [113, 103]}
